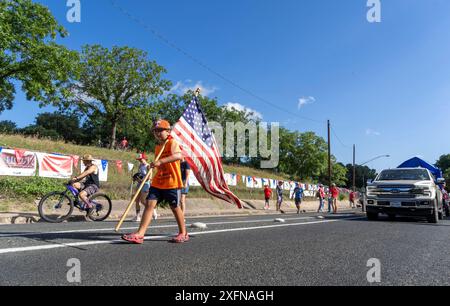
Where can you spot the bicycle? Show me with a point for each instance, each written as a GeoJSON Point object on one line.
{"type": "Point", "coordinates": [57, 207]}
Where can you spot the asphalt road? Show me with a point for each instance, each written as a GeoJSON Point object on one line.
{"type": "Point", "coordinates": [232, 251]}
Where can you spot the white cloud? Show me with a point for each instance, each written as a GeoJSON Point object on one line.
{"type": "Point", "coordinates": [372, 132]}
{"type": "Point", "coordinates": [239, 107]}
{"type": "Point", "coordinates": [181, 87]}
{"type": "Point", "coordinates": [305, 100]}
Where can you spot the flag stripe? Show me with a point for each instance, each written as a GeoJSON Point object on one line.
{"type": "Point", "coordinates": [201, 152]}
{"type": "Point", "coordinates": [203, 167]}
{"type": "Point", "coordinates": [214, 156]}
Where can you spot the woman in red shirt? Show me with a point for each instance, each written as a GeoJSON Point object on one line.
{"type": "Point", "coordinates": [334, 195]}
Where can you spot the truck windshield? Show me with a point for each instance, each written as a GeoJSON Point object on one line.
{"type": "Point", "coordinates": [407, 174]}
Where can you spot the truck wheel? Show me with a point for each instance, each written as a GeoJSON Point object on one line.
{"type": "Point", "coordinates": [372, 216]}
{"type": "Point", "coordinates": [391, 217]}
{"type": "Point", "coordinates": [435, 215]}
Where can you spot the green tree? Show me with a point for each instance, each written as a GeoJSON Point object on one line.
{"type": "Point", "coordinates": [29, 53]}
{"type": "Point", "coordinates": [443, 162]}
{"type": "Point", "coordinates": [447, 178]}
{"type": "Point", "coordinates": [302, 155]}
{"type": "Point", "coordinates": [363, 173]}
{"type": "Point", "coordinates": [7, 127]}
{"type": "Point", "coordinates": [339, 174]}
{"type": "Point", "coordinates": [67, 127]}
{"type": "Point", "coordinates": [116, 84]}
{"type": "Point", "coordinates": [40, 132]}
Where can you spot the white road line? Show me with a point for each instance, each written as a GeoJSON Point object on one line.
{"type": "Point", "coordinates": [97, 242]}
{"type": "Point", "coordinates": [28, 234]}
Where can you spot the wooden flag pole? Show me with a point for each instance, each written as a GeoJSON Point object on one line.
{"type": "Point", "coordinates": [146, 178]}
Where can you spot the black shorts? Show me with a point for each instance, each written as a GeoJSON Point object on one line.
{"type": "Point", "coordinates": [170, 196]}
{"type": "Point", "coordinates": [298, 202]}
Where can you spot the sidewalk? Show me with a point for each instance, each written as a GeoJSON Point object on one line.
{"type": "Point", "coordinates": [194, 208]}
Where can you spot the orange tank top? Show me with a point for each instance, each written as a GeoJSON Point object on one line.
{"type": "Point", "coordinates": [168, 176]}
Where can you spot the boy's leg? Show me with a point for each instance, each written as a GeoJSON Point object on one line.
{"type": "Point", "coordinates": [179, 217]}
{"type": "Point", "coordinates": [183, 203]}
{"type": "Point", "coordinates": [281, 201]}
{"type": "Point", "coordinates": [138, 202]}
{"type": "Point", "coordinates": [84, 197]}
{"type": "Point", "coordinates": [147, 217]}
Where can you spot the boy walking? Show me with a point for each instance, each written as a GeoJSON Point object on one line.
{"type": "Point", "coordinates": [279, 196]}
{"type": "Point", "coordinates": [298, 195]}
{"type": "Point", "coordinates": [321, 196]}
{"type": "Point", "coordinates": [166, 185]}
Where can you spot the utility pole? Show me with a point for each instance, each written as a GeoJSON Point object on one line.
{"type": "Point", "coordinates": [354, 168]}
{"type": "Point", "coordinates": [329, 154]}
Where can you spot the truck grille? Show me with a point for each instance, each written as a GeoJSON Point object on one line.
{"type": "Point", "coordinates": [404, 204]}
{"type": "Point", "coordinates": [396, 196]}
{"type": "Point", "coordinates": [395, 186]}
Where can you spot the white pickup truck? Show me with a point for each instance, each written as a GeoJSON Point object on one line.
{"type": "Point", "coordinates": [407, 192]}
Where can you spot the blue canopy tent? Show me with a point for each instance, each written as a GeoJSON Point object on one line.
{"type": "Point", "coordinates": [417, 162]}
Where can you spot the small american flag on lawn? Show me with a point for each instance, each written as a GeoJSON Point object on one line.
{"type": "Point", "coordinates": [200, 150]}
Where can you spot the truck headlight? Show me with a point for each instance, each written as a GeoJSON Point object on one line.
{"type": "Point", "coordinates": [425, 191]}
{"type": "Point", "coordinates": [371, 190]}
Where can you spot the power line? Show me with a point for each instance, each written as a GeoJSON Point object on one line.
{"type": "Point", "coordinates": [337, 137]}
{"type": "Point", "coordinates": [200, 63]}
{"type": "Point", "coordinates": [212, 71]}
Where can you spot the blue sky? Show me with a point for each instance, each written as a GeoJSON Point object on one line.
{"type": "Point", "coordinates": [384, 86]}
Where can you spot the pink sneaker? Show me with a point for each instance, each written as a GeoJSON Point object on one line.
{"type": "Point", "coordinates": [180, 238]}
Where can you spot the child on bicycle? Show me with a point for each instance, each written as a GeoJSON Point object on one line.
{"type": "Point", "coordinates": [166, 185]}
{"type": "Point", "coordinates": [91, 184]}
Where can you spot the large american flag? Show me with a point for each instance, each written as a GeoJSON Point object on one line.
{"type": "Point", "coordinates": [200, 150]}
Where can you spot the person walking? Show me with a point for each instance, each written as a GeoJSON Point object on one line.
{"type": "Point", "coordinates": [267, 196]}
{"type": "Point", "coordinates": [138, 177]}
{"type": "Point", "coordinates": [298, 196]}
{"type": "Point", "coordinates": [334, 196]}
{"type": "Point", "coordinates": [352, 198]}
{"type": "Point", "coordinates": [166, 185]}
{"type": "Point", "coordinates": [321, 196]}
{"type": "Point", "coordinates": [185, 171]}
{"type": "Point", "coordinates": [279, 191]}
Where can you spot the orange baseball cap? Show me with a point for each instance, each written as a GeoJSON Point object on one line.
{"type": "Point", "coordinates": [161, 124]}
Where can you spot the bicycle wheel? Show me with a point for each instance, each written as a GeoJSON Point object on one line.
{"type": "Point", "coordinates": [102, 208]}
{"type": "Point", "coordinates": [55, 207]}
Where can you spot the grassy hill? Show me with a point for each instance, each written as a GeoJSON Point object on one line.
{"type": "Point", "coordinates": [26, 190]}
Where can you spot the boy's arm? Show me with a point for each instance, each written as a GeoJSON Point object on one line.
{"type": "Point", "coordinates": [88, 171]}
{"type": "Point", "coordinates": [176, 155]}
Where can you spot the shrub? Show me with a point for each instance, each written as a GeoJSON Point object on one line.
{"type": "Point", "coordinates": [29, 187]}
